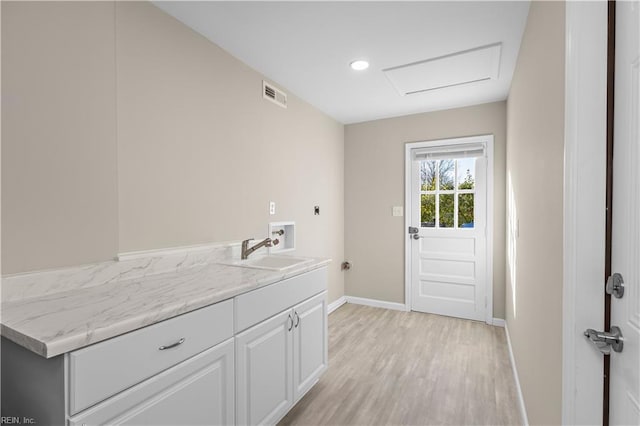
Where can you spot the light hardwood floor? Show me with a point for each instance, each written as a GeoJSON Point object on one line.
{"type": "Point", "coordinates": [408, 368]}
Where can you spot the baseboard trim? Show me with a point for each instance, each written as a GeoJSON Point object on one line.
{"type": "Point", "coordinates": [523, 409]}
{"type": "Point", "coordinates": [499, 322]}
{"type": "Point", "coordinates": [336, 304]}
{"type": "Point", "coordinates": [376, 303]}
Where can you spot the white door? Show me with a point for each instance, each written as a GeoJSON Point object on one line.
{"type": "Point", "coordinates": [264, 386]}
{"type": "Point", "coordinates": [449, 210]}
{"type": "Point", "coordinates": [624, 399]}
{"type": "Point", "coordinates": [310, 355]}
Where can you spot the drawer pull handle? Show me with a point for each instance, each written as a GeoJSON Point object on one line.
{"type": "Point", "coordinates": [173, 345]}
{"type": "Point", "coordinates": [297, 317]}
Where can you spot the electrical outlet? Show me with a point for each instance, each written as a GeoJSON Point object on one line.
{"type": "Point", "coordinates": [316, 210]}
{"type": "Point", "coordinates": [397, 211]}
{"type": "Point", "coordinates": [272, 207]}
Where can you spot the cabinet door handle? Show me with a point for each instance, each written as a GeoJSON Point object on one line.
{"type": "Point", "coordinates": [297, 319]}
{"type": "Point", "coordinates": [290, 319]}
{"type": "Point", "coordinates": [173, 345]}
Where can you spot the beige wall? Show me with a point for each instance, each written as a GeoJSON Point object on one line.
{"type": "Point", "coordinates": [59, 184]}
{"type": "Point", "coordinates": [374, 182]}
{"type": "Point", "coordinates": [183, 151]}
{"type": "Point", "coordinates": [535, 144]}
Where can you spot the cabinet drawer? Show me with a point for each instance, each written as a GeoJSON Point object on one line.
{"type": "Point", "coordinates": [104, 369]}
{"type": "Point", "coordinates": [265, 302]}
{"type": "Point", "coordinates": [199, 391]}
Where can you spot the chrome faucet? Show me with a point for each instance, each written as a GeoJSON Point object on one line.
{"type": "Point", "coordinates": [246, 250]}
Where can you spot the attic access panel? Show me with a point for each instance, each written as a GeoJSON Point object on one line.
{"type": "Point", "coordinates": [469, 66]}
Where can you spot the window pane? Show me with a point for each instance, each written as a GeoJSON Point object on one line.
{"type": "Point", "coordinates": [428, 211]}
{"type": "Point", "coordinates": [466, 173]}
{"type": "Point", "coordinates": [465, 210]}
{"type": "Point", "coordinates": [447, 174]}
{"type": "Point", "coordinates": [427, 175]}
{"type": "Point", "coordinates": [446, 210]}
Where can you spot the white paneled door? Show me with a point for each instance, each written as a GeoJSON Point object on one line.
{"type": "Point", "coordinates": [624, 401]}
{"type": "Point", "coordinates": [448, 226]}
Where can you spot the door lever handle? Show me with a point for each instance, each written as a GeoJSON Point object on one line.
{"type": "Point", "coordinates": [606, 340]}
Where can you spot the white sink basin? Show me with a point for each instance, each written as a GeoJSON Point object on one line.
{"type": "Point", "coordinates": [271, 263]}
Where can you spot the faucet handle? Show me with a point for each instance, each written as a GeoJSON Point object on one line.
{"type": "Point", "coordinates": [275, 242]}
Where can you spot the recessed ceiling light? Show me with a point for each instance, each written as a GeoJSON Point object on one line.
{"type": "Point", "coordinates": [359, 65]}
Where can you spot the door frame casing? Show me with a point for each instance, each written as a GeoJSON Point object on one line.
{"type": "Point", "coordinates": [488, 139]}
{"type": "Point", "coordinates": [584, 209]}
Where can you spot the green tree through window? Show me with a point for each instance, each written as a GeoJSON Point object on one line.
{"type": "Point", "coordinates": [466, 201]}
{"type": "Point", "coordinates": [434, 174]}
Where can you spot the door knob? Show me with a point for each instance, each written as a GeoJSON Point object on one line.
{"type": "Point", "coordinates": [416, 236]}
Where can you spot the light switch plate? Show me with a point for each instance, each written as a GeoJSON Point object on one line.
{"type": "Point", "coordinates": [397, 211]}
{"type": "Point", "coordinates": [272, 207]}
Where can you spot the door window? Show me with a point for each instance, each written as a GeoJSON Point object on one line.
{"type": "Point", "coordinates": [447, 193]}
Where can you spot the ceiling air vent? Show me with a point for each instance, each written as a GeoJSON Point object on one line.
{"type": "Point", "coordinates": [275, 95]}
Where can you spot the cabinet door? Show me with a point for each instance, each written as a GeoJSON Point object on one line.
{"type": "Point", "coordinates": [199, 391]}
{"type": "Point", "coordinates": [264, 387]}
{"type": "Point", "coordinates": [310, 354]}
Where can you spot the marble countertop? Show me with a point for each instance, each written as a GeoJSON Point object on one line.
{"type": "Point", "coordinates": [58, 322]}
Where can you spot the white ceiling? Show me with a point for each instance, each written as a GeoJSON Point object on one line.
{"type": "Point", "coordinates": [306, 47]}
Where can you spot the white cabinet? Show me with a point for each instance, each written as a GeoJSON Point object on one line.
{"type": "Point", "coordinates": [263, 371]}
{"type": "Point", "coordinates": [263, 303]}
{"type": "Point", "coordinates": [279, 360]}
{"type": "Point", "coordinates": [245, 360]}
{"type": "Point", "coordinates": [176, 372]}
{"type": "Point", "coordinates": [199, 391]}
{"type": "Point", "coordinates": [100, 371]}
{"type": "Point", "coordinates": [310, 348]}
